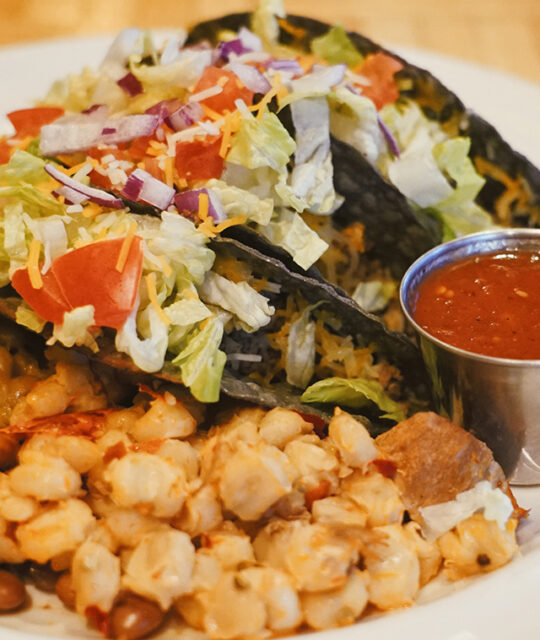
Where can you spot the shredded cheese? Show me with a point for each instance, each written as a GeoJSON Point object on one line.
{"type": "Point", "coordinates": [91, 210]}
{"type": "Point", "coordinates": [203, 206]}
{"type": "Point", "coordinates": [150, 280]}
{"type": "Point", "coordinates": [210, 113]}
{"type": "Point", "coordinates": [232, 124]}
{"type": "Point", "coordinates": [33, 264]}
{"type": "Point", "coordinates": [126, 245]}
{"type": "Point", "coordinates": [165, 266]}
{"type": "Point", "coordinates": [169, 171]}
{"type": "Point", "coordinates": [189, 294]}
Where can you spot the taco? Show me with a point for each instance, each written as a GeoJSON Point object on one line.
{"type": "Point", "coordinates": [414, 166]}
{"type": "Point", "coordinates": [171, 301]}
{"type": "Point", "coordinates": [297, 155]}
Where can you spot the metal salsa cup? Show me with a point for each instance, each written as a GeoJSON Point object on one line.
{"type": "Point", "coordinates": [497, 399]}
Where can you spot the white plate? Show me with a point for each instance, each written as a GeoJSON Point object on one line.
{"type": "Point", "coordinates": [497, 606]}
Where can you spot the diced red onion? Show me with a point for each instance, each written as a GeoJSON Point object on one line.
{"type": "Point", "coordinates": [70, 195]}
{"type": "Point", "coordinates": [252, 78]}
{"type": "Point", "coordinates": [133, 187]}
{"type": "Point", "coordinates": [152, 191]}
{"type": "Point", "coordinates": [99, 110]}
{"type": "Point", "coordinates": [189, 201]}
{"type": "Point", "coordinates": [95, 195]}
{"type": "Point", "coordinates": [164, 108]}
{"type": "Point", "coordinates": [130, 127]}
{"type": "Point", "coordinates": [290, 65]}
{"type": "Point", "coordinates": [250, 41]}
{"type": "Point", "coordinates": [390, 140]}
{"type": "Point", "coordinates": [235, 47]}
{"type": "Point", "coordinates": [107, 130]}
{"type": "Point", "coordinates": [185, 116]}
{"type": "Point", "coordinates": [130, 84]}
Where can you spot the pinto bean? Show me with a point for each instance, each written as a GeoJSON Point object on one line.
{"type": "Point", "coordinates": [8, 451]}
{"type": "Point", "coordinates": [134, 617]}
{"type": "Point", "coordinates": [65, 591]}
{"type": "Point", "coordinates": [12, 591]}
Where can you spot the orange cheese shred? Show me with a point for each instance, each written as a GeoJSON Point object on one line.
{"type": "Point", "coordinates": [203, 206]}
{"type": "Point", "coordinates": [124, 249]}
{"type": "Point", "coordinates": [150, 280]}
{"type": "Point", "coordinates": [33, 264]}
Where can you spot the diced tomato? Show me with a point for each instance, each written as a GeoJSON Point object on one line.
{"type": "Point", "coordinates": [199, 159]}
{"type": "Point", "coordinates": [48, 302]}
{"type": "Point", "coordinates": [232, 89]}
{"type": "Point", "coordinates": [380, 68]}
{"type": "Point", "coordinates": [89, 276]}
{"type": "Point", "coordinates": [152, 166]}
{"type": "Point", "coordinates": [5, 151]}
{"type": "Point", "coordinates": [138, 147]}
{"type": "Point", "coordinates": [28, 122]}
{"type": "Point", "coordinates": [99, 180]}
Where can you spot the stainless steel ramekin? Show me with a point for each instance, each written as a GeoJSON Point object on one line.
{"type": "Point", "coordinates": [497, 399]}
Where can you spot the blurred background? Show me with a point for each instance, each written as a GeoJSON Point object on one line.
{"type": "Point", "coordinates": [504, 34]}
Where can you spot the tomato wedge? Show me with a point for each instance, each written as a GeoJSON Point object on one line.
{"type": "Point", "coordinates": [48, 302]}
{"type": "Point", "coordinates": [199, 159]}
{"type": "Point", "coordinates": [28, 122]}
{"type": "Point", "coordinates": [380, 69]}
{"type": "Point", "coordinates": [89, 276]}
{"type": "Point", "coordinates": [232, 89]}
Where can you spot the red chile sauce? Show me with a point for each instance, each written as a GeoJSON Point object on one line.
{"type": "Point", "coordinates": [488, 304]}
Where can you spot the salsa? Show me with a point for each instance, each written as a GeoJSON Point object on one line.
{"type": "Point", "coordinates": [487, 304]}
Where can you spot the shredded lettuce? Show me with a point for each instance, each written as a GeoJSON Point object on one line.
{"type": "Point", "coordinates": [149, 352]}
{"type": "Point", "coordinates": [184, 314]}
{"type": "Point", "coordinates": [353, 119]}
{"type": "Point", "coordinates": [312, 176]}
{"type": "Point", "coordinates": [335, 47]}
{"type": "Point", "coordinates": [23, 167]}
{"type": "Point", "coordinates": [27, 317]}
{"type": "Point", "coordinates": [261, 143]}
{"type": "Point", "coordinates": [15, 246]}
{"type": "Point", "coordinates": [249, 307]}
{"type": "Point", "coordinates": [355, 393]}
{"type": "Point", "coordinates": [239, 202]}
{"type": "Point", "coordinates": [51, 232]}
{"type": "Point", "coordinates": [74, 330]}
{"type": "Point", "coordinates": [300, 361]}
{"type": "Point", "coordinates": [264, 21]}
{"type": "Point", "coordinates": [289, 231]}
{"type": "Point", "coordinates": [374, 295]}
{"type": "Point", "coordinates": [185, 247]}
{"type": "Point", "coordinates": [201, 363]}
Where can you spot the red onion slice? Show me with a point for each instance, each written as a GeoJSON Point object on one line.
{"type": "Point", "coordinates": [289, 65]}
{"type": "Point", "coordinates": [85, 131]}
{"type": "Point", "coordinates": [390, 140]}
{"type": "Point", "coordinates": [189, 201]}
{"type": "Point", "coordinates": [95, 195]}
{"type": "Point", "coordinates": [69, 138]}
{"type": "Point", "coordinates": [150, 189]}
{"type": "Point", "coordinates": [130, 127]}
{"type": "Point", "coordinates": [186, 116]}
{"type": "Point", "coordinates": [70, 195]}
{"type": "Point", "coordinates": [251, 77]}
{"type": "Point", "coordinates": [130, 84]}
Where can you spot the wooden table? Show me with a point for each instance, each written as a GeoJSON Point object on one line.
{"type": "Point", "coordinates": [501, 33]}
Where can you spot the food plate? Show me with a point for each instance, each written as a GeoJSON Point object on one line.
{"type": "Point", "coordinates": [495, 606]}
